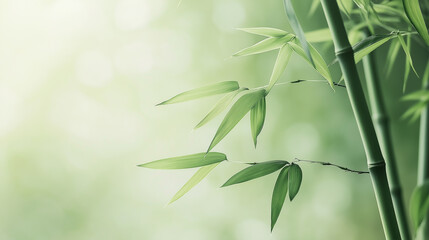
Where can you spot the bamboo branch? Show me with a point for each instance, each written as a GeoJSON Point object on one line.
{"type": "Point", "coordinates": [333, 165]}
{"type": "Point", "coordinates": [376, 164]}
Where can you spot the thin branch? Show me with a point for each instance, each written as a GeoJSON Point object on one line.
{"type": "Point", "coordinates": [296, 160]}
{"type": "Point", "coordinates": [331, 164]}
{"type": "Point", "coordinates": [302, 80]}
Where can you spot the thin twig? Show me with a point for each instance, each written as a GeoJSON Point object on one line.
{"type": "Point", "coordinates": [296, 160]}
{"type": "Point", "coordinates": [302, 80]}
{"type": "Point", "coordinates": [331, 164]}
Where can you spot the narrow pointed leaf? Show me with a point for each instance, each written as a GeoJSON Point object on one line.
{"type": "Point", "coordinates": [314, 5]}
{"type": "Point", "coordinates": [281, 62]}
{"type": "Point", "coordinates": [368, 48]}
{"type": "Point", "coordinates": [236, 113]}
{"type": "Point", "coordinates": [279, 195]}
{"type": "Point", "coordinates": [414, 111]}
{"type": "Point", "coordinates": [391, 56]}
{"type": "Point", "coordinates": [416, 96]}
{"type": "Point", "coordinates": [188, 161]}
{"type": "Point", "coordinates": [406, 47]}
{"type": "Point", "coordinates": [346, 6]}
{"type": "Point", "coordinates": [320, 64]}
{"type": "Point", "coordinates": [256, 171]}
{"type": "Point", "coordinates": [220, 106]}
{"type": "Point", "coordinates": [295, 179]}
{"type": "Point", "coordinates": [257, 119]}
{"type": "Point", "coordinates": [320, 35]}
{"type": "Point", "coordinates": [213, 89]}
{"type": "Point", "coordinates": [419, 204]}
{"type": "Point", "coordinates": [265, 31]}
{"type": "Point", "coordinates": [265, 45]}
{"type": "Point", "coordinates": [414, 13]}
{"type": "Point", "coordinates": [193, 181]}
{"type": "Point", "coordinates": [293, 21]}
{"type": "Point", "coordinates": [368, 41]}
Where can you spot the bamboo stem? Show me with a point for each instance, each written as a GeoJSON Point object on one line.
{"type": "Point", "coordinates": [376, 164]}
{"type": "Point", "coordinates": [423, 165]}
{"type": "Point", "coordinates": [382, 126]}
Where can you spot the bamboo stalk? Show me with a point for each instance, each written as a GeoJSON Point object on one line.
{"type": "Point", "coordinates": [423, 165]}
{"type": "Point", "coordinates": [382, 126]}
{"type": "Point", "coordinates": [376, 164]}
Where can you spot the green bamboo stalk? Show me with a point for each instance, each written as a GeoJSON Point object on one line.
{"type": "Point", "coordinates": [376, 164]}
{"type": "Point", "coordinates": [382, 127]}
{"type": "Point", "coordinates": [423, 165]}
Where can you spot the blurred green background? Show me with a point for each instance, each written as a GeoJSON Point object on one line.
{"type": "Point", "coordinates": [79, 80]}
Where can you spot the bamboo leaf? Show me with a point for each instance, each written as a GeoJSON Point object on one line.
{"type": "Point", "coordinates": [293, 21]}
{"type": "Point", "coordinates": [265, 31]}
{"type": "Point", "coordinates": [406, 47]}
{"type": "Point", "coordinates": [391, 56]}
{"type": "Point", "coordinates": [320, 35]}
{"type": "Point", "coordinates": [314, 5]}
{"type": "Point", "coordinates": [346, 6]}
{"type": "Point", "coordinates": [279, 195]}
{"type": "Point", "coordinates": [188, 161]}
{"type": "Point", "coordinates": [320, 64]}
{"type": "Point", "coordinates": [281, 62]}
{"type": "Point", "coordinates": [414, 111]}
{"type": "Point", "coordinates": [257, 119]}
{"type": "Point", "coordinates": [367, 47]}
{"type": "Point", "coordinates": [414, 14]}
{"type": "Point", "coordinates": [213, 89]}
{"type": "Point", "coordinates": [295, 179]}
{"type": "Point", "coordinates": [256, 171]}
{"type": "Point", "coordinates": [368, 41]}
{"type": "Point", "coordinates": [265, 45]}
{"type": "Point", "coordinates": [220, 106]}
{"type": "Point", "coordinates": [418, 95]}
{"type": "Point", "coordinates": [419, 204]}
{"type": "Point", "coordinates": [236, 113]}
{"type": "Point", "coordinates": [193, 181]}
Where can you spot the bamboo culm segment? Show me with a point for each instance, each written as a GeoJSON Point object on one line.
{"type": "Point", "coordinates": [423, 165]}
{"type": "Point", "coordinates": [382, 126]}
{"type": "Point", "coordinates": [374, 156]}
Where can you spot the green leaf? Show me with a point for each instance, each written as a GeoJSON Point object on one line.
{"type": "Point", "coordinates": [279, 195]}
{"type": "Point", "coordinates": [346, 6]}
{"type": "Point", "coordinates": [314, 5]}
{"type": "Point", "coordinates": [418, 95]}
{"type": "Point", "coordinates": [320, 66]}
{"type": "Point", "coordinates": [281, 62]}
{"type": "Point", "coordinates": [256, 171]}
{"type": "Point", "coordinates": [320, 35]}
{"type": "Point", "coordinates": [368, 41]}
{"type": "Point", "coordinates": [295, 179]}
{"type": "Point", "coordinates": [365, 48]}
{"type": "Point", "coordinates": [236, 113]}
{"type": "Point", "coordinates": [414, 13]}
{"type": "Point", "coordinates": [293, 21]}
{"type": "Point", "coordinates": [391, 56]}
{"type": "Point", "coordinates": [414, 111]}
{"type": "Point", "coordinates": [265, 31]}
{"type": "Point", "coordinates": [419, 204]}
{"type": "Point", "coordinates": [193, 181]}
{"type": "Point", "coordinates": [213, 89]}
{"type": "Point", "coordinates": [188, 161]}
{"type": "Point", "coordinates": [265, 45]}
{"type": "Point", "coordinates": [221, 105]}
{"type": "Point", "coordinates": [406, 47]}
{"type": "Point", "coordinates": [257, 119]}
